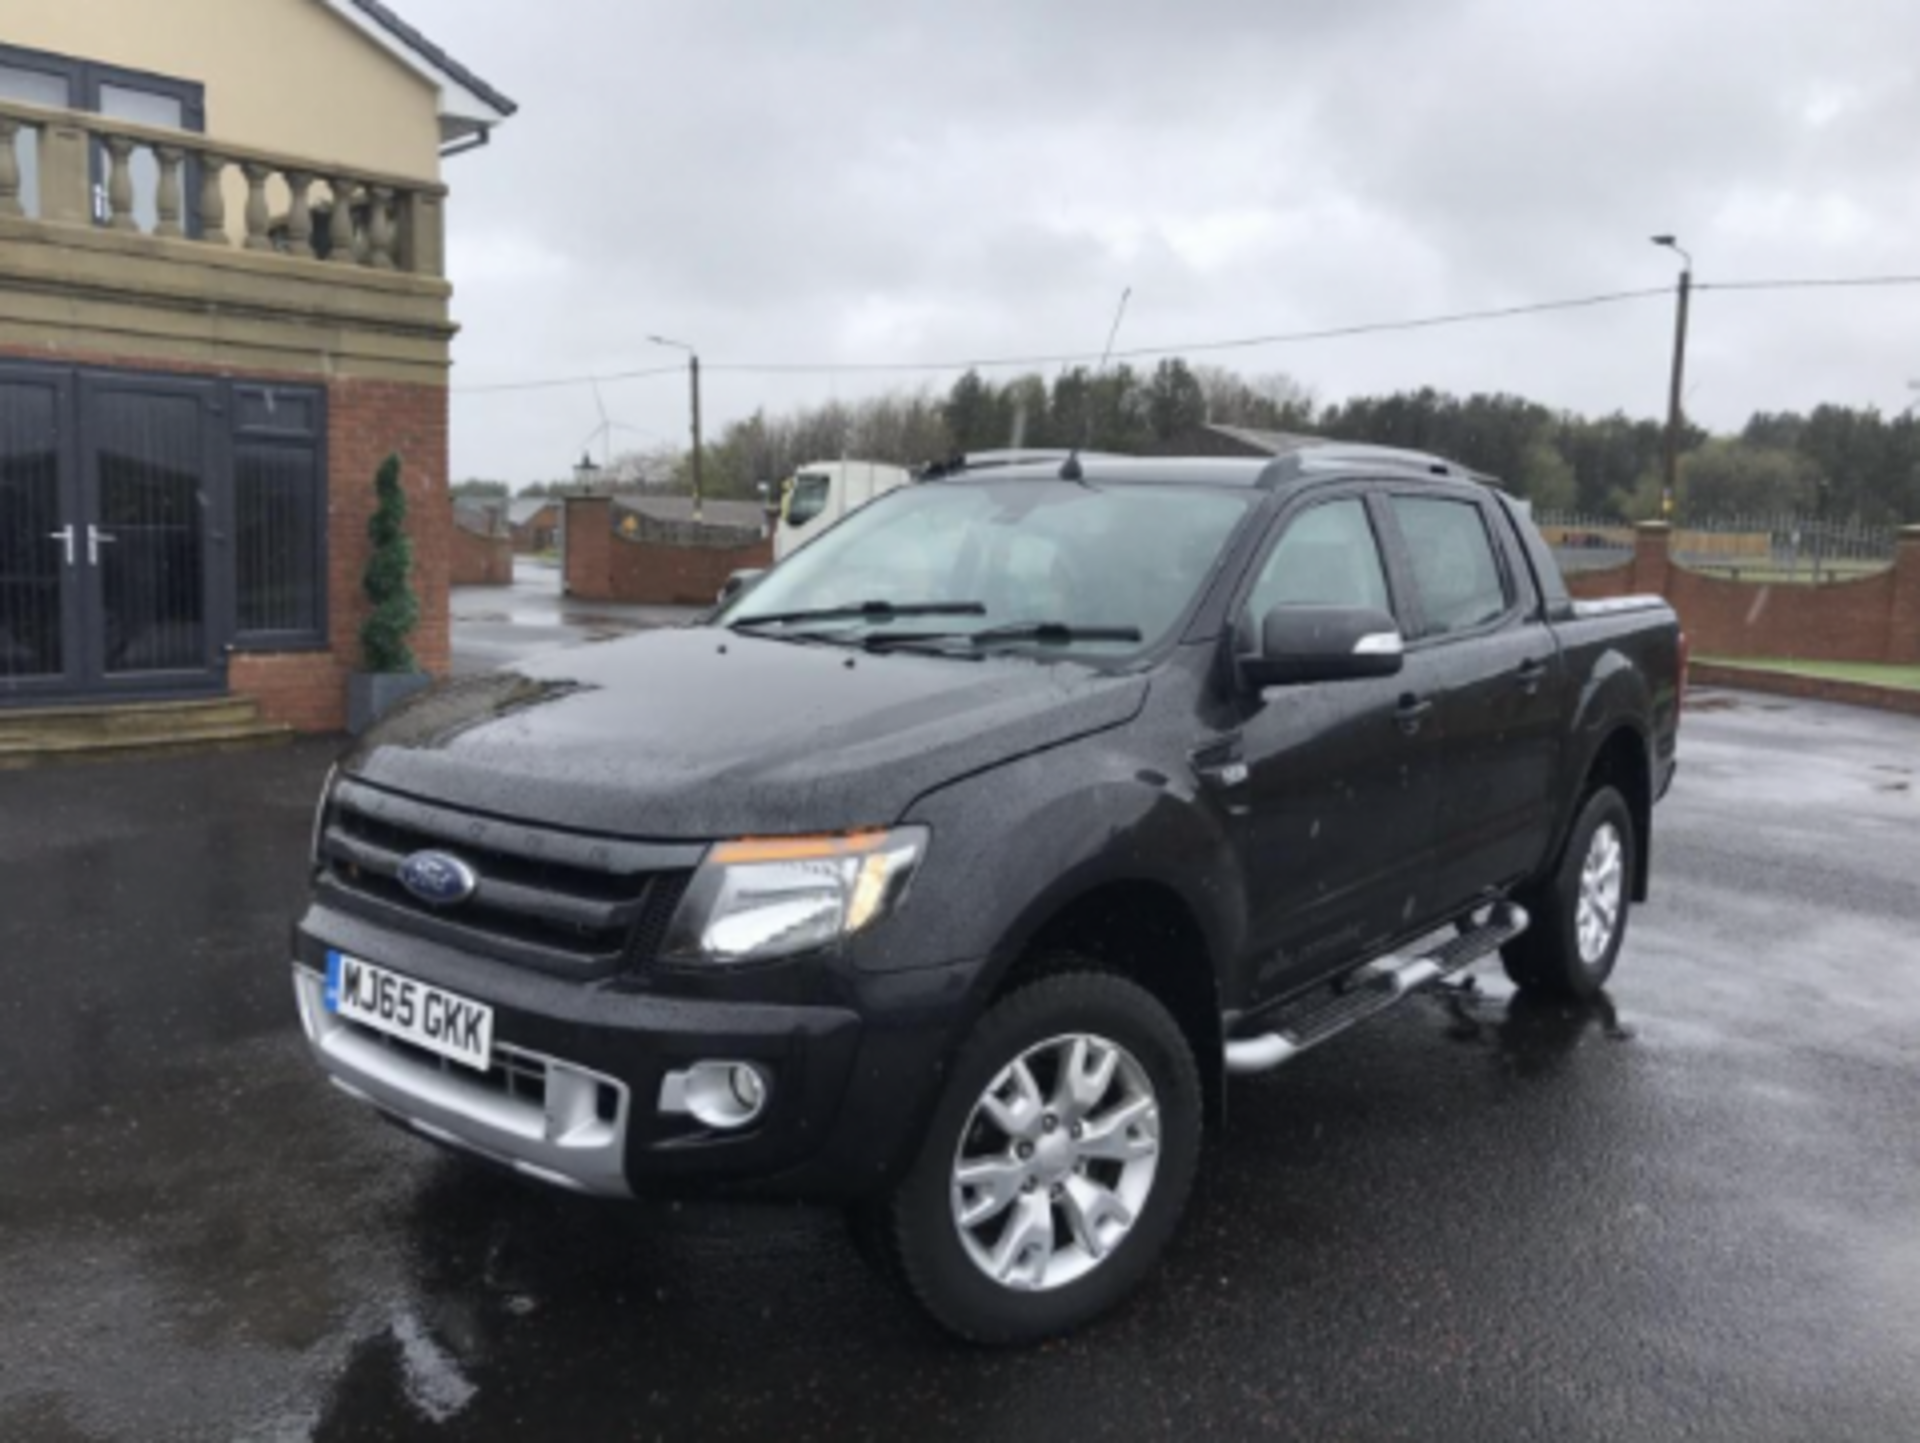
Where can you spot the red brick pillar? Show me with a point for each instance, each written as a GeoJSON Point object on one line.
{"type": "Point", "coordinates": [587, 544]}
{"type": "Point", "coordinates": [1903, 630]}
{"type": "Point", "coordinates": [1651, 557]}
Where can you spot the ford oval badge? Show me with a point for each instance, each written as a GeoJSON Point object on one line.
{"type": "Point", "coordinates": [438, 879]}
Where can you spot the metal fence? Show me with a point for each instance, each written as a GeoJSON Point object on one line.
{"type": "Point", "coordinates": [1740, 548]}
{"type": "Point", "coordinates": [1583, 542]}
{"type": "Point", "coordinates": [1782, 548]}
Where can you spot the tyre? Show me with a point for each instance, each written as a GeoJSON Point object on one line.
{"type": "Point", "coordinates": [1579, 911]}
{"type": "Point", "coordinates": [1057, 1164]}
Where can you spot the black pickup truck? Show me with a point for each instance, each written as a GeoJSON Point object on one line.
{"type": "Point", "coordinates": [952, 867]}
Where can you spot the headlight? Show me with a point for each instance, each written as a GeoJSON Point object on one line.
{"type": "Point", "coordinates": [752, 900]}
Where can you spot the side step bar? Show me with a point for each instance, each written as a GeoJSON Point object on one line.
{"type": "Point", "coordinates": [1369, 990]}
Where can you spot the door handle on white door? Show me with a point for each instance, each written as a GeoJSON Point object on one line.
{"type": "Point", "coordinates": [96, 538]}
{"type": "Point", "coordinates": [65, 537]}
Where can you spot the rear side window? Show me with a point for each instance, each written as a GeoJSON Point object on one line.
{"type": "Point", "coordinates": [1328, 557]}
{"type": "Point", "coordinates": [1454, 570]}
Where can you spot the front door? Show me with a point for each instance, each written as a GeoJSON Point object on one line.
{"type": "Point", "coordinates": [1341, 776]}
{"type": "Point", "coordinates": [107, 521]}
{"type": "Point", "coordinates": [145, 531]}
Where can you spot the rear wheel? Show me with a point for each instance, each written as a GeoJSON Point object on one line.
{"type": "Point", "coordinates": [1579, 913]}
{"type": "Point", "coordinates": [1057, 1164]}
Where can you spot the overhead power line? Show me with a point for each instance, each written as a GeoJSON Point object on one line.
{"type": "Point", "coordinates": [1807, 283]}
{"type": "Point", "coordinates": [1187, 348]}
{"type": "Point", "coordinates": [555, 381]}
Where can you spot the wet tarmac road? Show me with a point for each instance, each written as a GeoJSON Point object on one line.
{"type": "Point", "coordinates": [495, 625]}
{"type": "Point", "coordinates": [1695, 1218]}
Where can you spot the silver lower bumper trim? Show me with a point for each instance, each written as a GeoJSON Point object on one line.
{"type": "Point", "coordinates": [564, 1138]}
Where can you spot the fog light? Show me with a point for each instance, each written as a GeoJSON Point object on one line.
{"type": "Point", "coordinates": [721, 1095]}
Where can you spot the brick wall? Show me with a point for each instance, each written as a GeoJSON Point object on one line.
{"type": "Point", "coordinates": [1873, 619]}
{"type": "Point", "coordinates": [1903, 626]}
{"type": "Point", "coordinates": [603, 565]}
{"type": "Point", "coordinates": [657, 575]}
{"type": "Point", "coordinates": [480, 560]}
{"type": "Point", "coordinates": [589, 543]}
{"type": "Point", "coordinates": [367, 420]}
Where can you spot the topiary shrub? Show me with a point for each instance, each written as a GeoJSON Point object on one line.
{"type": "Point", "coordinates": [388, 579]}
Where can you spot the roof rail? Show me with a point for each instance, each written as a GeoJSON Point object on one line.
{"type": "Point", "coordinates": [985, 460]}
{"type": "Point", "coordinates": [1343, 453]}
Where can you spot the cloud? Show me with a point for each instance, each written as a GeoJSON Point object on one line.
{"type": "Point", "coordinates": [872, 181]}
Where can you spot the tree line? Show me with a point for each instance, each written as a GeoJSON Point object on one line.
{"type": "Point", "coordinates": [1835, 461]}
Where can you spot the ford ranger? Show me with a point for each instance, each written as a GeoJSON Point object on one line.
{"type": "Point", "coordinates": [952, 868]}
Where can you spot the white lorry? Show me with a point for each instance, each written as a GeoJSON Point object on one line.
{"type": "Point", "coordinates": [822, 492]}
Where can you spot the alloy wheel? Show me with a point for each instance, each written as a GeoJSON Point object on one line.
{"type": "Point", "coordinates": [1602, 886]}
{"type": "Point", "coordinates": [1056, 1162]}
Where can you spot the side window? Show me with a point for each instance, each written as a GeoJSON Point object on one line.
{"type": "Point", "coordinates": [1454, 570]}
{"type": "Point", "coordinates": [1327, 557]}
{"type": "Point", "coordinates": [808, 497]}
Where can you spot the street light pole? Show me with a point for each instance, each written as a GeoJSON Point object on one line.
{"type": "Point", "coordinates": [1671, 467]}
{"type": "Point", "coordinates": [693, 380]}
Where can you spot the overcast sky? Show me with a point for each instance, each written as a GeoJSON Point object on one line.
{"type": "Point", "coordinates": [871, 180]}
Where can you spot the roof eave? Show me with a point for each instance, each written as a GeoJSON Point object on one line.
{"type": "Point", "coordinates": [465, 100]}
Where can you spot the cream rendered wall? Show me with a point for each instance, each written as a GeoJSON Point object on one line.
{"type": "Point", "coordinates": [285, 75]}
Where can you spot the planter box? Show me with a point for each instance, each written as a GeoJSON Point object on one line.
{"type": "Point", "coordinates": [371, 695]}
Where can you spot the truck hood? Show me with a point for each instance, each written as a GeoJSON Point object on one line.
{"type": "Point", "coordinates": [703, 733]}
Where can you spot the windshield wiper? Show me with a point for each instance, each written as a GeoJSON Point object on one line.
{"type": "Point", "coordinates": [1047, 633]}
{"type": "Point", "coordinates": [864, 611]}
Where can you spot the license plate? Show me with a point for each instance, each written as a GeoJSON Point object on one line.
{"type": "Point", "coordinates": [427, 1016]}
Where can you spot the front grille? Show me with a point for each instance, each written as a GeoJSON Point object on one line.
{"type": "Point", "coordinates": [561, 901]}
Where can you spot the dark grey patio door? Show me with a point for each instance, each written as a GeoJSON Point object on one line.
{"type": "Point", "coordinates": [144, 534]}
{"type": "Point", "coordinates": [40, 617]}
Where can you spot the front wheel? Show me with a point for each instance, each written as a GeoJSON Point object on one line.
{"type": "Point", "coordinates": [1579, 912]}
{"type": "Point", "coordinates": [1057, 1164]}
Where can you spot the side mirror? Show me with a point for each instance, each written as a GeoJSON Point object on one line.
{"type": "Point", "coordinates": [1323, 643]}
{"type": "Point", "coordinates": [738, 582]}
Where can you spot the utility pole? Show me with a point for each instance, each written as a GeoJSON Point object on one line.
{"type": "Point", "coordinates": [1671, 468]}
{"type": "Point", "coordinates": [693, 374]}
{"type": "Point", "coordinates": [693, 380]}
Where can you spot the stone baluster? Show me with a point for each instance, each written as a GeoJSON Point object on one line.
{"type": "Point", "coordinates": [213, 200]}
{"type": "Point", "coordinates": [380, 225]}
{"type": "Point", "coordinates": [299, 214]}
{"type": "Point", "coordinates": [340, 222]}
{"type": "Point", "coordinates": [167, 198]}
{"type": "Point", "coordinates": [256, 174]}
{"type": "Point", "coordinates": [9, 169]}
{"type": "Point", "coordinates": [120, 183]}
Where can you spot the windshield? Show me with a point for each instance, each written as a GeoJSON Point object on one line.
{"type": "Point", "coordinates": [808, 497]}
{"type": "Point", "coordinates": [1024, 551]}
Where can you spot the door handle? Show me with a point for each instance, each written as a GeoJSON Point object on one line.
{"type": "Point", "coordinates": [1530, 674]}
{"type": "Point", "coordinates": [64, 536]}
{"type": "Point", "coordinates": [96, 538]}
{"type": "Point", "coordinates": [1411, 712]}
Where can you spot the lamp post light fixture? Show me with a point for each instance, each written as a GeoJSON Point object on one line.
{"type": "Point", "coordinates": [586, 474]}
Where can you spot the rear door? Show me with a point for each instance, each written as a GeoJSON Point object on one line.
{"type": "Point", "coordinates": [1499, 682]}
{"type": "Point", "coordinates": [1337, 823]}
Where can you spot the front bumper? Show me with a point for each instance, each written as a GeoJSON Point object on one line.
{"type": "Point", "coordinates": [576, 1096]}
{"type": "Point", "coordinates": [539, 1115]}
